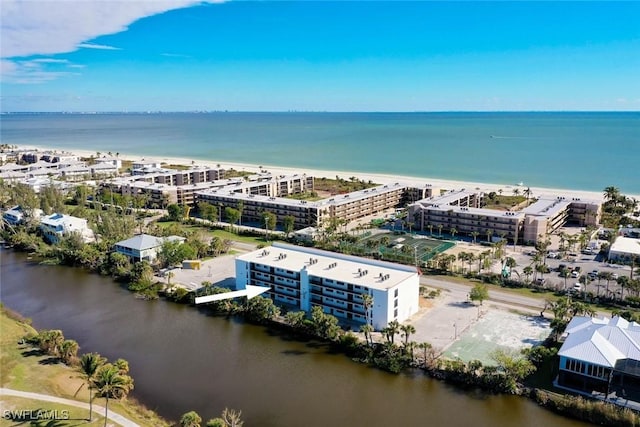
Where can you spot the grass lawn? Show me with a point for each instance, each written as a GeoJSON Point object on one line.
{"type": "Point", "coordinates": [223, 234]}
{"type": "Point", "coordinates": [23, 369]}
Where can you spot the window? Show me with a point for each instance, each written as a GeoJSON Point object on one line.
{"type": "Point", "coordinates": [574, 365]}
{"type": "Point", "coordinates": [395, 313]}
{"type": "Point", "coordinates": [395, 294]}
{"type": "Point", "coordinates": [395, 303]}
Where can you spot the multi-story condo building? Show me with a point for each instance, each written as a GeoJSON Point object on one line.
{"type": "Point", "coordinates": [302, 278]}
{"type": "Point", "coordinates": [461, 210]}
{"type": "Point", "coordinates": [349, 207]}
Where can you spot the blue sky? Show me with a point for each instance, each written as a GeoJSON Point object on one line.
{"type": "Point", "coordinates": [181, 55]}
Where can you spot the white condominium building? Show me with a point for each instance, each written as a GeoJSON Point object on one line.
{"type": "Point", "coordinates": [302, 277]}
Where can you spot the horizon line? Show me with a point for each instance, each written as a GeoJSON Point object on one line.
{"type": "Point", "coordinates": [310, 111]}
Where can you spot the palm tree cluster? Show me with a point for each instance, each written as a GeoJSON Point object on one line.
{"type": "Point", "coordinates": [104, 379]}
{"type": "Point", "coordinates": [53, 343]}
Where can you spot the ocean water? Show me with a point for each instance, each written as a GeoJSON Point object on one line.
{"type": "Point", "coordinates": [582, 151]}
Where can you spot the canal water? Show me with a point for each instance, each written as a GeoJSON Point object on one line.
{"type": "Point", "coordinates": [182, 360]}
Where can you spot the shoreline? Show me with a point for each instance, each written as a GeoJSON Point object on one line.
{"type": "Point", "coordinates": [379, 178]}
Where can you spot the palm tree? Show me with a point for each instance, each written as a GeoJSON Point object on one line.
{"type": "Point", "coordinates": [528, 270]}
{"type": "Point", "coordinates": [527, 193]}
{"type": "Point", "coordinates": [367, 330]}
{"type": "Point", "coordinates": [453, 232]}
{"type": "Point", "coordinates": [623, 281]}
{"type": "Point", "coordinates": [612, 194]}
{"type": "Point", "coordinates": [430, 229]}
{"type": "Point", "coordinates": [516, 192]}
{"type": "Point", "coordinates": [89, 365]}
{"type": "Point", "coordinates": [489, 234]}
{"type": "Point", "coordinates": [111, 384]}
{"type": "Point", "coordinates": [606, 275]}
{"type": "Point", "coordinates": [475, 235]}
{"type": "Point", "coordinates": [407, 330]}
{"type": "Point", "coordinates": [367, 302]}
{"type": "Point", "coordinates": [391, 330]}
{"type": "Point", "coordinates": [69, 351]}
{"type": "Point", "coordinates": [440, 229]}
{"type": "Point", "coordinates": [190, 419]}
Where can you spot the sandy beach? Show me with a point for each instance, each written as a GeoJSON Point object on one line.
{"type": "Point", "coordinates": [507, 188]}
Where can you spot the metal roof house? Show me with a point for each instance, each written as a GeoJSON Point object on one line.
{"type": "Point", "coordinates": [601, 356]}
{"type": "Point", "coordinates": [56, 225]}
{"type": "Point", "coordinates": [143, 247]}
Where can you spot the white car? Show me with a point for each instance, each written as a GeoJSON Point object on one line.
{"type": "Point", "coordinates": [575, 274]}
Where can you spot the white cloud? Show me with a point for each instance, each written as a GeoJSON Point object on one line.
{"type": "Point", "coordinates": [38, 70]}
{"type": "Point", "coordinates": [45, 27]}
{"type": "Point", "coordinates": [175, 55]}
{"type": "Point", "coordinates": [97, 46]}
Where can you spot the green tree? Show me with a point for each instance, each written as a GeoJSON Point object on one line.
{"type": "Point", "coordinates": [288, 224]}
{"type": "Point", "coordinates": [51, 341]}
{"type": "Point", "coordinates": [367, 330]}
{"type": "Point", "coordinates": [190, 419]}
{"type": "Point", "coordinates": [110, 383]}
{"type": "Point", "coordinates": [208, 211]}
{"type": "Point", "coordinates": [69, 351]}
{"type": "Point", "coordinates": [261, 309]}
{"type": "Point", "coordinates": [173, 252]}
{"type": "Point", "coordinates": [232, 215]}
{"type": "Point", "coordinates": [407, 331]}
{"type": "Point", "coordinates": [391, 330]}
{"type": "Point", "coordinates": [479, 292]}
{"type": "Point", "coordinates": [474, 235]}
{"type": "Point", "coordinates": [295, 319]}
{"type": "Point", "coordinates": [89, 365]}
{"type": "Point", "coordinates": [175, 212]}
{"type": "Point", "coordinates": [514, 368]}
{"type": "Point", "coordinates": [216, 422]}
{"type": "Point", "coordinates": [324, 325]}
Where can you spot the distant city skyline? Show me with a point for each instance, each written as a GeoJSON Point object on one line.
{"type": "Point", "coordinates": [184, 55]}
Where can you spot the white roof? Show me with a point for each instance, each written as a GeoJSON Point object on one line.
{"type": "Point", "coordinates": [142, 242]}
{"type": "Point", "coordinates": [338, 267]}
{"type": "Point", "coordinates": [601, 341]}
{"type": "Point", "coordinates": [626, 245]}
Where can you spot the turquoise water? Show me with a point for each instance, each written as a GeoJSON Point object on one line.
{"type": "Point", "coordinates": [582, 151]}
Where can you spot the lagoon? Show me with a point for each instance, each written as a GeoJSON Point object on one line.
{"type": "Point", "coordinates": [182, 359]}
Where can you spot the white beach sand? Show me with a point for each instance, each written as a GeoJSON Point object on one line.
{"type": "Point", "coordinates": [507, 189]}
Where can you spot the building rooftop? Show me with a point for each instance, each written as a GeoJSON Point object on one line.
{"type": "Point", "coordinates": [626, 245]}
{"type": "Point", "coordinates": [478, 211]}
{"type": "Point", "coordinates": [334, 200]}
{"type": "Point", "coordinates": [449, 197]}
{"type": "Point", "coordinates": [601, 341]}
{"type": "Point", "coordinates": [142, 242]}
{"type": "Point", "coordinates": [339, 267]}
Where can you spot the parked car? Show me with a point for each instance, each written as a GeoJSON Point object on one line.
{"type": "Point", "coordinates": [614, 276]}
{"type": "Point", "coordinates": [575, 274]}
{"type": "Point", "coordinates": [540, 281]}
{"type": "Point", "coordinates": [577, 268]}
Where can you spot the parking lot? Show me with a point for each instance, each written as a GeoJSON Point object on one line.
{"type": "Point", "coordinates": [219, 271]}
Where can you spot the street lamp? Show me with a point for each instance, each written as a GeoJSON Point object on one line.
{"type": "Point", "coordinates": [455, 331]}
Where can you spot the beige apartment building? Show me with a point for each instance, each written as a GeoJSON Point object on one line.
{"type": "Point", "coordinates": [349, 207]}
{"type": "Point", "coordinates": [461, 210]}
